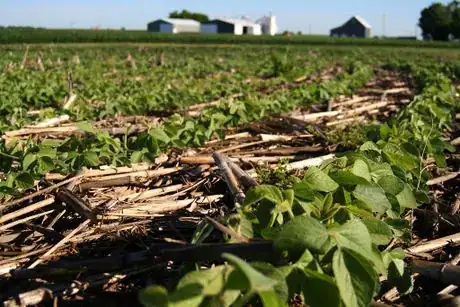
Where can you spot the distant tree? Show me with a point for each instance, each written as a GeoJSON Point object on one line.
{"type": "Point", "coordinates": [189, 15]}
{"type": "Point", "coordinates": [299, 32]}
{"type": "Point", "coordinates": [435, 22]}
{"type": "Point", "coordinates": [455, 23]}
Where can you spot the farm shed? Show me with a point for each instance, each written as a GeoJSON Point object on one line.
{"type": "Point", "coordinates": [174, 25]}
{"type": "Point", "coordinates": [354, 27]}
{"type": "Point", "coordinates": [231, 26]}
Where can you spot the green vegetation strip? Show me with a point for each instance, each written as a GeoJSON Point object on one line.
{"type": "Point", "coordinates": [32, 35]}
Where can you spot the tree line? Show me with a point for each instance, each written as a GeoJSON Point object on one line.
{"type": "Point", "coordinates": [189, 15]}
{"type": "Point", "coordinates": [441, 21]}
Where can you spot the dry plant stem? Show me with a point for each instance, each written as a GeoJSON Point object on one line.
{"type": "Point", "coordinates": [22, 256]}
{"type": "Point", "coordinates": [229, 177]}
{"type": "Point", "coordinates": [51, 122]}
{"type": "Point", "coordinates": [241, 146]}
{"type": "Point", "coordinates": [159, 206]}
{"type": "Point", "coordinates": [435, 244]}
{"type": "Point", "coordinates": [25, 210]}
{"type": "Point", "coordinates": [59, 244]}
{"type": "Point", "coordinates": [243, 177]}
{"type": "Point", "coordinates": [456, 142]}
{"type": "Point", "coordinates": [194, 160]}
{"type": "Point", "coordinates": [24, 58]}
{"type": "Point", "coordinates": [127, 178]}
{"type": "Point", "coordinates": [116, 170]}
{"type": "Point", "coordinates": [38, 193]}
{"type": "Point", "coordinates": [442, 179]}
{"type": "Point", "coordinates": [455, 206]}
{"type": "Point", "coordinates": [241, 135]}
{"type": "Point", "coordinates": [151, 193]}
{"type": "Point", "coordinates": [446, 273]}
{"type": "Point", "coordinates": [309, 162]}
{"type": "Point", "coordinates": [227, 230]}
{"type": "Point", "coordinates": [24, 220]}
{"type": "Point", "coordinates": [451, 288]}
{"type": "Point", "coordinates": [352, 101]}
{"type": "Point", "coordinates": [76, 203]}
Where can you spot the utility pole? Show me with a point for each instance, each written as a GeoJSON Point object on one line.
{"type": "Point", "coordinates": [309, 29]}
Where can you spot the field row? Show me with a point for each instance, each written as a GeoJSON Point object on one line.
{"type": "Point", "coordinates": [302, 170]}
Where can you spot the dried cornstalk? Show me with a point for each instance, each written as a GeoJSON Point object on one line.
{"type": "Point", "coordinates": [24, 220]}
{"type": "Point", "coordinates": [131, 61]}
{"type": "Point", "coordinates": [159, 206]}
{"type": "Point", "coordinates": [442, 179]}
{"type": "Point", "coordinates": [229, 177]}
{"type": "Point", "coordinates": [59, 244]}
{"type": "Point", "coordinates": [435, 244]}
{"type": "Point", "coordinates": [25, 210]}
{"type": "Point", "coordinates": [40, 63]}
{"type": "Point", "coordinates": [24, 58]}
{"type": "Point", "coordinates": [150, 193]}
{"type": "Point", "coordinates": [51, 122]}
{"type": "Point", "coordinates": [127, 178]}
{"type": "Point", "coordinates": [76, 59]}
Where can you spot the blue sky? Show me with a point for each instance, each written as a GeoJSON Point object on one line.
{"type": "Point", "coordinates": [299, 15]}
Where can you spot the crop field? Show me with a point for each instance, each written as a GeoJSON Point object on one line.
{"type": "Point", "coordinates": [238, 175]}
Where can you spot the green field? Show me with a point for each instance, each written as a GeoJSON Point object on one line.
{"type": "Point", "coordinates": [33, 36]}
{"type": "Point", "coordinates": [219, 171]}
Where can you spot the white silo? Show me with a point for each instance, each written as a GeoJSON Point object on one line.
{"type": "Point", "coordinates": [268, 24]}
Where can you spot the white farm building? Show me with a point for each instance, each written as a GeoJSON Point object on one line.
{"type": "Point", "coordinates": [231, 26]}
{"type": "Point", "coordinates": [174, 25]}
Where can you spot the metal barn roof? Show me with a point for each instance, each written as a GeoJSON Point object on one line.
{"type": "Point", "coordinates": [363, 22]}
{"type": "Point", "coordinates": [242, 22]}
{"type": "Point", "coordinates": [180, 21]}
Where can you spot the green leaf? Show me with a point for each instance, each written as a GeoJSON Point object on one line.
{"type": "Point", "coordinates": [348, 178]}
{"type": "Point", "coordinates": [379, 170]}
{"type": "Point", "coordinates": [406, 198]}
{"type": "Point", "coordinates": [391, 184]}
{"type": "Point", "coordinates": [189, 295]}
{"type": "Point", "coordinates": [270, 298]}
{"type": "Point", "coordinates": [257, 281]}
{"type": "Point", "coordinates": [159, 134]}
{"type": "Point", "coordinates": [280, 289]}
{"type": "Point", "coordinates": [319, 181]}
{"type": "Point", "coordinates": [355, 236]}
{"type": "Point", "coordinates": [302, 232]}
{"type": "Point", "coordinates": [303, 191]}
{"type": "Point", "coordinates": [397, 156]}
{"type": "Point", "coordinates": [380, 232]}
{"type": "Point", "coordinates": [154, 296]}
{"type": "Point", "coordinates": [211, 280]}
{"type": "Point", "coordinates": [373, 196]}
{"type": "Point", "coordinates": [361, 169]}
{"type": "Point", "coordinates": [46, 152]}
{"type": "Point", "coordinates": [85, 126]}
{"type": "Point", "coordinates": [24, 180]}
{"type": "Point", "coordinates": [355, 278]}
{"type": "Point", "coordinates": [28, 160]}
{"type": "Point", "coordinates": [260, 192]}
{"type": "Point", "coordinates": [137, 156]}
{"type": "Point", "coordinates": [369, 146]}
{"type": "Point", "coordinates": [45, 165]}
{"type": "Point", "coordinates": [320, 289]}
{"type": "Point", "coordinates": [202, 231]}
{"type": "Point", "coordinates": [91, 158]}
